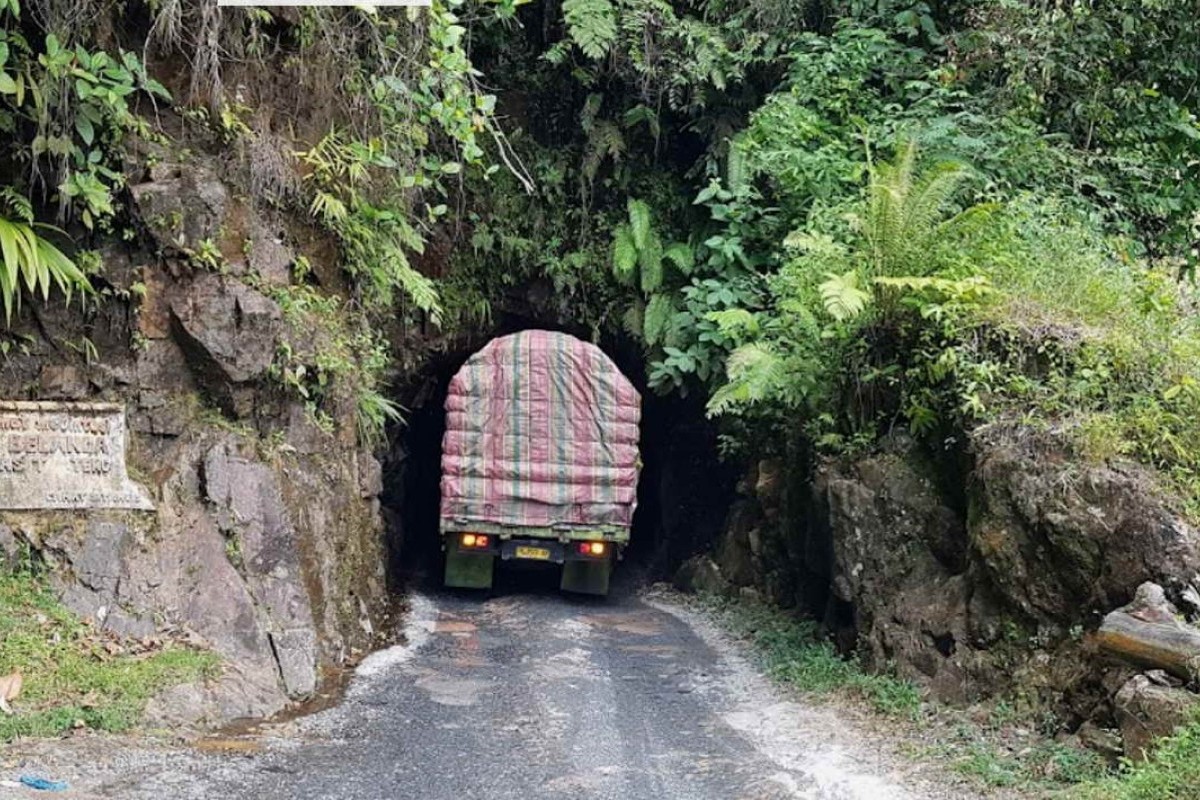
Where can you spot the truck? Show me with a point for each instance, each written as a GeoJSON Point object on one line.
{"type": "Point", "coordinates": [540, 461]}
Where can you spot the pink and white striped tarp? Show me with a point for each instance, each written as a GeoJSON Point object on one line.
{"type": "Point", "coordinates": [541, 431]}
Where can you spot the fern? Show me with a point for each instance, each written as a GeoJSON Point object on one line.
{"type": "Point", "coordinates": [624, 255]}
{"type": "Point", "coordinates": [906, 212]}
{"type": "Point", "coordinates": [592, 25]}
{"type": "Point", "coordinates": [633, 320]}
{"type": "Point", "coordinates": [843, 298]}
{"type": "Point", "coordinates": [658, 314]}
{"type": "Point", "coordinates": [682, 256]}
{"type": "Point", "coordinates": [639, 222]}
{"type": "Point", "coordinates": [735, 321]}
{"type": "Point", "coordinates": [650, 263]}
{"type": "Point", "coordinates": [756, 372]}
{"type": "Point", "coordinates": [28, 258]}
{"type": "Point", "coordinates": [736, 173]}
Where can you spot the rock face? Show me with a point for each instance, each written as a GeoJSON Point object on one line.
{"type": "Point", "coordinates": [229, 333]}
{"type": "Point", "coordinates": [266, 539]}
{"type": "Point", "coordinates": [1065, 540]}
{"type": "Point", "coordinates": [972, 574]}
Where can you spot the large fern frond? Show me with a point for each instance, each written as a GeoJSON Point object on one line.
{"type": "Point", "coordinates": [843, 297]}
{"type": "Point", "coordinates": [650, 263]}
{"type": "Point", "coordinates": [624, 255]}
{"type": "Point", "coordinates": [658, 314]}
{"type": "Point", "coordinates": [906, 211]}
{"type": "Point", "coordinates": [756, 372]}
{"type": "Point", "coordinates": [592, 25]}
{"type": "Point", "coordinates": [639, 221]}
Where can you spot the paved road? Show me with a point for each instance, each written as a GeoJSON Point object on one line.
{"type": "Point", "coordinates": [531, 696]}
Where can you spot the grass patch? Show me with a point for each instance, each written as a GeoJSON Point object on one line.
{"type": "Point", "coordinates": [1171, 773]}
{"type": "Point", "coordinates": [75, 675]}
{"type": "Point", "coordinates": [1045, 764]}
{"type": "Point", "coordinates": [1012, 750]}
{"type": "Point", "coordinates": [794, 653]}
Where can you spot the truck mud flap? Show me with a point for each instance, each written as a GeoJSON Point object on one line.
{"type": "Point", "coordinates": [586, 577]}
{"type": "Point", "coordinates": [469, 570]}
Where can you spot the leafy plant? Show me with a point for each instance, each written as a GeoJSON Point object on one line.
{"type": "Point", "coordinates": [34, 263]}
{"type": "Point", "coordinates": [374, 411]}
{"type": "Point", "coordinates": [592, 25]}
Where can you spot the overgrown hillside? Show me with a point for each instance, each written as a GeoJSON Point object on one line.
{"type": "Point", "coordinates": [930, 266]}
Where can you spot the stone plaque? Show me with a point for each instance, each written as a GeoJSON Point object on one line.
{"type": "Point", "coordinates": [65, 455]}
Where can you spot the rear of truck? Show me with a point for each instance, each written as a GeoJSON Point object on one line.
{"type": "Point", "coordinates": [539, 461]}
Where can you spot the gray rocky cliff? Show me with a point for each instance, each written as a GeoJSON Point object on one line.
{"type": "Point", "coordinates": [266, 542]}
{"type": "Point", "coordinates": [974, 577]}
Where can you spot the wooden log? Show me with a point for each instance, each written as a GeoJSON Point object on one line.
{"type": "Point", "coordinates": [1171, 646]}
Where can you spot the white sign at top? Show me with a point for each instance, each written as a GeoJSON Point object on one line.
{"type": "Point", "coordinates": [371, 4]}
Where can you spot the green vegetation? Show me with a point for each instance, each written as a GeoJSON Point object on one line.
{"type": "Point", "coordinates": [835, 217]}
{"type": "Point", "coordinates": [794, 653]}
{"type": "Point", "coordinates": [1042, 765]}
{"type": "Point", "coordinates": [73, 675]}
{"type": "Point", "coordinates": [64, 111]}
{"type": "Point", "coordinates": [828, 218]}
{"type": "Point", "coordinates": [1173, 770]}
{"type": "Point", "coordinates": [1007, 751]}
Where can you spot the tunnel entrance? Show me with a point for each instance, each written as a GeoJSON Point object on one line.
{"type": "Point", "coordinates": [684, 490]}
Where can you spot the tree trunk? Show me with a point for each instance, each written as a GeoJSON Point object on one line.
{"type": "Point", "coordinates": [1170, 646]}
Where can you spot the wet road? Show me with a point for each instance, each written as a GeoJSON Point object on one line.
{"type": "Point", "coordinates": [532, 696]}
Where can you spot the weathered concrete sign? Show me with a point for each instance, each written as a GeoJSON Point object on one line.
{"type": "Point", "coordinates": [65, 455]}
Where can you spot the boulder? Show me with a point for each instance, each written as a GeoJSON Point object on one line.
{"type": "Point", "coordinates": [734, 555]}
{"type": "Point", "coordinates": [1063, 540]}
{"type": "Point", "coordinates": [1105, 742]}
{"type": "Point", "coordinates": [701, 574]}
{"type": "Point", "coordinates": [897, 554]}
{"type": "Point", "coordinates": [1147, 711]}
{"type": "Point", "coordinates": [250, 512]}
{"type": "Point", "coordinates": [183, 206]}
{"type": "Point", "coordinates": [229, 333]}
{"type": "Point", "coordinates": [268, 256]}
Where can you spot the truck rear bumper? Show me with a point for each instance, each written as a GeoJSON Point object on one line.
{"type": "Point", "coordinates": [583, 570]}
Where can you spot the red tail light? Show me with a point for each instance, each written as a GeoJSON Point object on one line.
{"type": "Point", "coordinates": [476, 540]}
{"type": "Point", "coordinates": [592, 548]}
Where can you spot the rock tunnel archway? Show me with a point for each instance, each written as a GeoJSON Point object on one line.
{"type": "Point", "coordinates": [684, 492]}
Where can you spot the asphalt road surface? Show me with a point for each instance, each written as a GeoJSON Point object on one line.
{"type": "Point", "coordinates": [540, 695]}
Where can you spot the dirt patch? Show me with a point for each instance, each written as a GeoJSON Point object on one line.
{"type": "Point", "coordinates": [636, 623]}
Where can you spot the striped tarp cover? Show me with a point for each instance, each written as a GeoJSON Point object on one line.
{"type": "Point", "coordinates": [541, 431]}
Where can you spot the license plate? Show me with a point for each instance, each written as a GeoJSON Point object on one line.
{"type": "Point", "coordinates": [540, 553]}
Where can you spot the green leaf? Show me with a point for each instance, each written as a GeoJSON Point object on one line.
{"type": "Point", "coordinates": [592, 25]}
{"type": "Point", "coordinates": [639, 222]}
{"type": "Point", "coordinates": [7, 84]}
{"type": "Point", "coordinates": [681, 255]}
{"type": "Point", "coordinates": [84, 126]}
{"type": "Point", "coordinates": [659, 311]}
{"type": "Point", "coordinates": [650, 261]}
{"type": "Point", "coordinates": [624, 255]}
